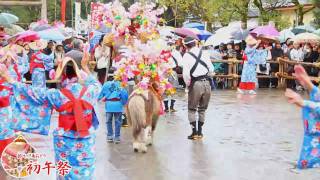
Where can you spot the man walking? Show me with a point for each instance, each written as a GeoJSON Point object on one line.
{"type": "Point", "coordinates": [197, 68]}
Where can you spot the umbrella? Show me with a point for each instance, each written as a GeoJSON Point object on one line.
{"type": "Point", "coordinates": [67, 32]}
{"type": "Point", "coordinates": [7, 19]}
{"type": "Point", "coordinates": [204, 35]}
{"type": "Point", "coordinates": [306, 38]}
{"type": "Point", "coordinates": [240, 34]}
{"type": "Point", "coordinates": [266, 32]}
{"type": "Point", "coordinates": [303, 29]}
{"type": "Point", "coordinates": [317, 32]}
{"type": "Point", "coordinates": [94, 37]}
{"type": "Point", "coordinates": [234, 31]}
{"type": "Point", "coordinates": [216, 40]}
{"type": "Point", "coordinates": [286, 34]}
{"type": "Point", "coordinates": [184, 32]}
{"type": "Point", "coordinates": [194, 25]}
{"type": "Point", "coordinates": [51, 34]}
{"type": "Point", "coordinates": [42, 27]}
{"type": "Point", "coordinates": [13, 29]}
{"type": "Point", "coordinates": [27, 36]}
{"type": "Point", "coordinates": [166, 31]}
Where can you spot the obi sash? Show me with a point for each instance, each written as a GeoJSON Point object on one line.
{"type": "Point", "coordinates": [34, 64]}
{"type": "Point", "coordinates": [75, 119]}
{"type": "Point", "coordinates": [113, 99]}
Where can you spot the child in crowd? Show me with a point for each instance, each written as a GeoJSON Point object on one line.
{"type": "Point", "coordinates": [115, 97]}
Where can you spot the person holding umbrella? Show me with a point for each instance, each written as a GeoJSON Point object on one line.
{"type": "Point", "coordinates": [253, 56]}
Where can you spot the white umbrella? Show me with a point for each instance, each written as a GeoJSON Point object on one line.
{"type": "Point", "coordinates": [306, 38]}
{"type": "Point", "coordinates": [217, 39]}
{"type": "Point", "coordinates": [286, 34]}
{"type": "Point", "coordinates": [166, 31]}
{"type": "Point", "coordinates": [13, 29]}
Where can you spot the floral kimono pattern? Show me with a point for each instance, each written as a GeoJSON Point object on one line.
{"type": "Point", "coordinates": [40, 63]}
{"type": "Point", "coordinates": [249, 75]}
{"type": "Point", "coordinates": [68, 145]}
{"type": "Point", "coordinates": [5, 112]}
{"type": "Point", "coordinates": [23, 64]}
{"type": "Point", "coordinates": [7, 101]}
{"type": "Point", "coordinates": [310, 152]}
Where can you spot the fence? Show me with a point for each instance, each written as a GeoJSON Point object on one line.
{"type": "Point", "coordinates": [233, 78]}
{"type": "Point", "coordinates": [282, 75]}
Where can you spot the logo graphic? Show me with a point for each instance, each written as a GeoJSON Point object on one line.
{"type": "Point", "coordinates": [16, 157]}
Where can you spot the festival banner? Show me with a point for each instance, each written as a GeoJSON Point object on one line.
{"type": "Point", "coordinates": [96, 17]}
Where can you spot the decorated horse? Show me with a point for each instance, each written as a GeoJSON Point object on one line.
{"type": "Point", "coordinates": [143, 111]}
{"type": "Point", "coordinates": [139, 53]}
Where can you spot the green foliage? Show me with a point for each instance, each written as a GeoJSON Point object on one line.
{"type": "Point", "coordinates": [316, 13]}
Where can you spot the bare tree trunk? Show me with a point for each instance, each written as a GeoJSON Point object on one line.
{"type": "Point", "coordinates": [300, 15]}
{"type": "Point", "coordinates": [44, 10]}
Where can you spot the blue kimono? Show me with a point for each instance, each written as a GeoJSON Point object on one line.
{"type": "Point", "coordinates": [40, 63]}
{"type": "Point", "coordinates": [7, 100]}
{"type": "Point", "coordinates": [112, 90]}
{"type": "Point", "coordinates": [5, 112]}
{"type": "Point", "coordinates": [249, 75]}
{"type": "Point", "coordinates": [310, 152]}
{"type": "Point", "coordinates": [69, 146]}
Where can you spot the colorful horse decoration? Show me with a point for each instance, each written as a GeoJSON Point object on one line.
{"type": "Point", "coordinates": [143, 56]}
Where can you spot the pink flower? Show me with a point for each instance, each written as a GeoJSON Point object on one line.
{"type": "Point", "coordinates": [59, 144]}
{"type": "Point", "coordinates": [314, 152]}
{"type": "Point", "coordinates": [63, 155]}
{"type": "Point", "coordinates": [79, 145]}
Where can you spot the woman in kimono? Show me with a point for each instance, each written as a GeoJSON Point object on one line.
{"type": "Point", "coordinates": [39, 63]}
{"type": "Point", "coordinates": [74, 139]}
{"type": "Point", "coordinates": [16, 67]}
{"type": "Point", "coordinates": [253, 57]}
{"type": "Point", "coordinates": [310, 151]}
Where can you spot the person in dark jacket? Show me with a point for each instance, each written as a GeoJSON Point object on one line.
{"type": "Point", "coordinates": [311, 56]}
{"type": "Point", "coordinates": [276, 52]}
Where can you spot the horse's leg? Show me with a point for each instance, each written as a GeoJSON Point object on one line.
{"type": "Point", "coordinates": [149, 135]}
{"type": "Point", "coordinates": [142, 140]}
{"type": "Point", "coordinates": [136, 144]}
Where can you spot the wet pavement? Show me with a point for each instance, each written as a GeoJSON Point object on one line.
{"type": "Point", "coordinates": [246, 138]}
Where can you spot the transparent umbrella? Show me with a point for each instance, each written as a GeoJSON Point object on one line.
{"type": "Point", "coordinates": [6, 19]}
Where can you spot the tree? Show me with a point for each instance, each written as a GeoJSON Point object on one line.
{"type": "Point", "coordinates": [316, 13]}
{"type": "Point", "coordinates": [242, 9]}
{"type": "Point", "coordinates": [300, 10]}
{"type": "Point", "coordinates": [267, 8]}
{"type": "Point", "coordinates": [179, 8]}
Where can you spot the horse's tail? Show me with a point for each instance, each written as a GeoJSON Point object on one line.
{"type": "Point", "coordinates": [136, 114]}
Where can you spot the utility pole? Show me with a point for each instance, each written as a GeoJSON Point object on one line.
{"type": "Point", "coordinates": [44, 10]}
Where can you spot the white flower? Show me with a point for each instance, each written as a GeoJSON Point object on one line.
{"type": "Point", "coordinates": [315, 142]}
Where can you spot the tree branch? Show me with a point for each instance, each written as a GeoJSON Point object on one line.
{"type": "Point", "coordinates": [306, 11]}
